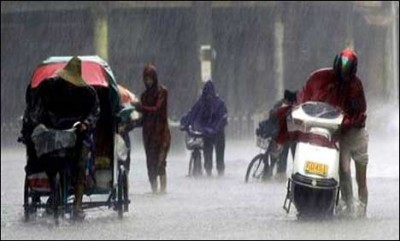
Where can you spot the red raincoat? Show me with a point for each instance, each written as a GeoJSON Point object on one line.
{"type": "Point", "coordinates": [323, 85]}
{"type": "Point", "coordinates": [155, 119]}
{"type": "Point", "coordinates": [156, 134]}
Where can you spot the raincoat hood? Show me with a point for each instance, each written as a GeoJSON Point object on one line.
{"type": "Point", "coordinates": [208, 115]}
{"type": "Point", "coordinates": [150, 71]}
{"type": "Point", "coordinates": [208, 89]}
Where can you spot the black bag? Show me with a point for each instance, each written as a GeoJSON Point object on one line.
{"type": "Point", "coordinates": [268, 128]}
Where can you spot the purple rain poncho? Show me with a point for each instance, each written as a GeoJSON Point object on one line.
{"type": "Point", "coordinates": [208, 116]}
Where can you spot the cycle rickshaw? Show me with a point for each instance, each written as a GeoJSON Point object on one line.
{"type": "Point", "coordinates": [109, 177]}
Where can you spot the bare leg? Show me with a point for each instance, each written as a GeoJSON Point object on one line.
{"type": "Point", "coordinates": [80, 183]}
{"type": "Point", "coordinates": [361, 161]}
{"type": "Point", "coordinates": [163, 183]}
{"type": "Point", "coordinates": [346, 186]}
{"type": "Point", "coordinates": [361, 176]}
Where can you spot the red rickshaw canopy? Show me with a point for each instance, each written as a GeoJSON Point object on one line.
{"type": "Point", "coordinates": [92, 72]}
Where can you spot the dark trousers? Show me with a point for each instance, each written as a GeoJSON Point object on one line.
{"type": "Point", "coordinates": [282, 159]}
{"type": "Point", "coordinates": [218, 141]}
{"type": "Point", "coordinates": [32, 165]}
{"type": "Point", "coordinates": [80, 165]}
{"type": "Point", "coordinates": [156, 161]}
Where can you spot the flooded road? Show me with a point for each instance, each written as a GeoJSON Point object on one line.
{"type": "Point", "coordinates": [204, 208]}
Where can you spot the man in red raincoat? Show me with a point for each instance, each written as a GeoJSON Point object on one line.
{"type": "Point", "coordinates": [339, 86]}
{"type": "Point", "coordinates": [156, 134]}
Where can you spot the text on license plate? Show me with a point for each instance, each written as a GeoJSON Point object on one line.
{"type": "Point", "coordinates": [316, 168]}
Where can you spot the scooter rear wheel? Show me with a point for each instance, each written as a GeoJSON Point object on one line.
{"type": "Point", "coordinates": [314, 203]}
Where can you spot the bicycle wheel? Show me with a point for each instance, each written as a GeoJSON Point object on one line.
{"type": "Point", "coordinates": [196, 163]}
{"type": "Point", "coordinates": [120, 192]}
{"type": "Point", "coordinates": [255, 170]}
{"type": "Point", "coordinates": [126, 192]}
{"type": "Point", "coordinates": [191, 165]}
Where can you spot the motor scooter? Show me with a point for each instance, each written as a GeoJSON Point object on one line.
{"type": "Point", "coordinates": [313, 186]}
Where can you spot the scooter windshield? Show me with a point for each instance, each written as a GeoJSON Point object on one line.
{"type": "Point", "coordinates": [320, 110]}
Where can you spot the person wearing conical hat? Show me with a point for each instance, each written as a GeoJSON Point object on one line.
{"type": "Point", "coordinates": [64, 100]}
{"type": "Point", "coordinates": [72, 72]}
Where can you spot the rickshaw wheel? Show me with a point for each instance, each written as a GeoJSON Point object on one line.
{"type": "Point", "coordinates": [57, 197]}
{"type": "Point", "coordinates": [126, 192]}
{"type": "Point", "coordinates": [120, 190]}
{"type": "Point", "coordinates": [26, 201]}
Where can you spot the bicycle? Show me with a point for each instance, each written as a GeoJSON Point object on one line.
{"type": "Point", "coordinates": [194, 143]}
{"type": "Point", "coordinates": [261, 166]}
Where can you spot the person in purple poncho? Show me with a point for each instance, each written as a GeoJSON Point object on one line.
{"type": "Point", "coordinates": [209, 116]}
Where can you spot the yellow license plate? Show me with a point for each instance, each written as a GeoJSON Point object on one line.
{"type": "Point", "coordinates": [316, 168]}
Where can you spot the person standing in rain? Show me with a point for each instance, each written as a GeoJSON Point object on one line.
{"type": "Point", "coordinates": [270, 127]}
{"type": "Point", "coordinates": [156, 134]}
{"type": "Point", "coordinates": [339, 86]}
{"type": "Point", "coordinates": [209, 116]}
